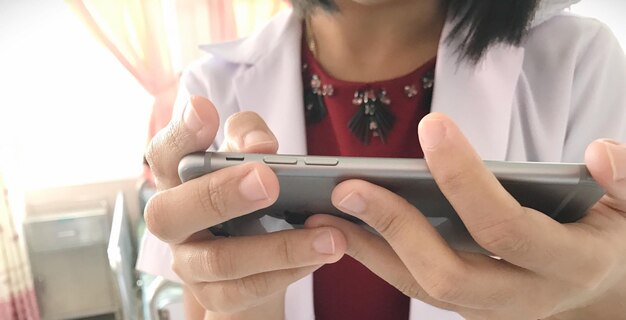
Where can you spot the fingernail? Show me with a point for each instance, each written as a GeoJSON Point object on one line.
{"type": "Point", "coordinates": [190, 116]}
{"type": "Point", "coordinates": [617, 156]}
{"type": "Point", "coordinates": [196, 107]}
{"type": "Point", "coordinates": [352, 203]}
{"type": "Point", "coordinates": [252, 188]}
{"type": "Point", "coordinates": [256, 137]}
{"type": "Point", "coordinates": [431, 133]}
{"type": "Point", "coordinates": [324, 243]}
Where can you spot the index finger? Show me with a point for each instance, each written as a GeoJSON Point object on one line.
{"type": "Point", "coordinates": [494, 218]}
{"type": "Point", "coordinates": [194, 131]}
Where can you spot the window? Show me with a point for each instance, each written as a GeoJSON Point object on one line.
{"type": "Point", "coordinates": [69, 111]}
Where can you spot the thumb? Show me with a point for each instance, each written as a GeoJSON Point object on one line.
{"type": "Point", "coordinates": [606, 160]}
{"type": "Point", "coordinates": [192, 132]}
{"type": "Point", "coordinates": [247, 132]}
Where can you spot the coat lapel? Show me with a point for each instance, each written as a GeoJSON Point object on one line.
{"type": "Point", "coordinates": [270, 81]}
{"type": "Point", "coordinates": [479, 98]}
{"type": "Point", "coordinates": [262, 89]}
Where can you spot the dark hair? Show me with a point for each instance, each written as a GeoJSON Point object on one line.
{"type": "Point", "coordinates": [480, 23]}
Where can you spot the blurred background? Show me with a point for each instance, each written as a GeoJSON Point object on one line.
{"type": "Point", "coordinates": [84, 84]}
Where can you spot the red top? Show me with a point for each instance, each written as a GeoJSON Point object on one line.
{"type": "Point", "coordinates": [347, 289]}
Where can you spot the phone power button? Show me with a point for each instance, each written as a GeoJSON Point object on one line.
{"type": "Point", "coordinates": [321, 161]}
{"type": "Point", "coordinates": [279, 160]}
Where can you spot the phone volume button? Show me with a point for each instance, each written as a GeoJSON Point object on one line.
{"type": "Point", "coordinates": [280, 160]}
{"type": "Point", "coordinates": [321, 161]}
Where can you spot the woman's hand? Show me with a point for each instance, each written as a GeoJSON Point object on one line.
{"type": "Point", "coordinates": [546, 268]}
{"type": "Point", "coordinates": [228, 275]}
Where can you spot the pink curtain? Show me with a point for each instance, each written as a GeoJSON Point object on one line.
{"type": "Point", "coordinates": [155, 39]}
{"type": "Point", "coordinates": [17, 294]}
{"type": "Point", "coordinates": [135, 31]}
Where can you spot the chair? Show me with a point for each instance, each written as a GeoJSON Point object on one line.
{"type": "Point", "coordinates": [164, 300]}
{"type": "Point", "coordinates": [121, 254]}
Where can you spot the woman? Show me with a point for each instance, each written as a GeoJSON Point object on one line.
{"type": "Point", "coordinates": [508, 92]}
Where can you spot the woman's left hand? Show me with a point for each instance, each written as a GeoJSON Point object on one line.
{"type": "Point", "coordinates": [546, 268]}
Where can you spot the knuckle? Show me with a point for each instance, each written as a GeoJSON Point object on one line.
{"type": "Point", "coordinates": [255, 287]}
{"type": "Point", "coordinates": [505, 236]}
{"type": "Point", "coordinates": [211, 198]}
{"type": "Point", "coordinates": [506, 242]}
{"type": "Point", "coordinates": [389, 224]}
{"type": "Point", "coordinates": [284, 250]}
{"type": "Point", "coordinates": [217, 262]}
{"type": "Point", "coordinates": [444, 286]}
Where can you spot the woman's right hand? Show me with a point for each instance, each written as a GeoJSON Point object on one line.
{"type": "Point", "coordinates": [238, 274]}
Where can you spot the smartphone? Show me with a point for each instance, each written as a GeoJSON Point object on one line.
{"type": "Point", "coordinates": [563, 191]}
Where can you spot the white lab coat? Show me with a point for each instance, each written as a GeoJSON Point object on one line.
{"type": "Point", "coordinates": [543, 101]}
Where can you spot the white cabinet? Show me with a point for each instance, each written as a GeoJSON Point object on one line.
{"type": "Point", "coordinates": [68, 254]}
